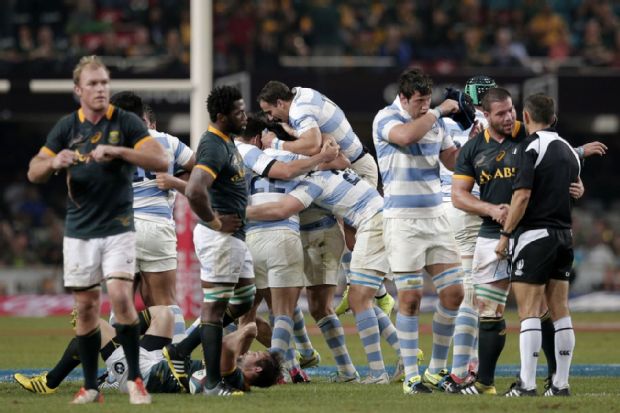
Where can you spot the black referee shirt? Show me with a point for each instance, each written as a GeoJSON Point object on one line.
{"type": "Point", "coordinates": [547, 165]}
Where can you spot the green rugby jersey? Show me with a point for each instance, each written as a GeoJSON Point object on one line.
{"type": "Point", "coordinates": [219, 157]}
{"type": "Point", "coordinates": [492, 166]}
{"type": "Point", "coordinates": [100, 195]}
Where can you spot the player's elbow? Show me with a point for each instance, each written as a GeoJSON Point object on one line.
{"type": "Point", "coordinates": [401, 138]}
{"type": "Point", "coordinates": [457, 199]}
{"type": "Point", "coordinates": [160, 162]}
{"type": "Point", "coordinates": [35, 176]}
{"type": "Point", "coordinates": [193, 192]}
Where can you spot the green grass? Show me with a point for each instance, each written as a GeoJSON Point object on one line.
{"type": "Point", "coordinates": [27, 343]}
{"type": "Point", "coordinates": [591, 395]}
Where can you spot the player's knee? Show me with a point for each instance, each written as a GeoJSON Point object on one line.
{"type": "Point", "coordinates": [451, 297]}
{"type": "Point", "coordinates": [319, 310]}
{"type": "Point", "coordinates": [409, 302]}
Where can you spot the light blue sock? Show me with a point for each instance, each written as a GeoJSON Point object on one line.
{"type": "Point", "coordinates": [443, 330]}
{"type": "Point", "coordinates": [302, 341]}
{"type": "Point", "coordinates": [407, 328]}
{"type": "Point", "coordinates": [387, 329]}
{"type": "Point", "coordinates": [368, 329]}
{"type": "Point", "coordinates": [334, 336]}
{"type": "Point", "coordinates": [178, 331]}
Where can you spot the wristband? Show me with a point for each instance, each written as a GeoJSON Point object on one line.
{"type": "Point", "coordinates": [580, 152]}
{"type": "Point", "coordinates": [277, 144]}
{"type": "Point", "coordinates": [505, 233]}
{"type": "Point", "coordinates": [215, 224]}
{"type": "Point", "coordinates": [436, 112]}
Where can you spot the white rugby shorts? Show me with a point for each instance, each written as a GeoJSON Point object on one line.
{"type": "Point", "coordinates": [414, 243]}
{"type": "Point", "coordinates": [465, 227]}
{"type": "Point", "coordinates": [223, 258]}
{"type": "Point", "coordinates": [278, 258]}
{"type": "Point", "coordinates": [323, 249]}
{"type": "Point", "coordinates": [486, 268]}
{"type": "Point", "coordinates": [156, 246]}
{"type": "Point", "coordinates": [88, 262]}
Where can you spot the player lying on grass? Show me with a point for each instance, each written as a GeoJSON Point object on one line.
{"type": "Point", "coordinates": [244, 368]}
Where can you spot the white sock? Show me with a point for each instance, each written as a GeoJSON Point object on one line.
{"type": "Point", "coordinates": [381, 291]}
{"type": "Point", "coordinates": [530, 341]}
{"type": "Point", "coordinates": [564, 346]}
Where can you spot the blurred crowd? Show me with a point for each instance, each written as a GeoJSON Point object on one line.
{"type": "Point", "coordinates": [252, 34]}
{"type": "Point", "coordinates": [31, 225]}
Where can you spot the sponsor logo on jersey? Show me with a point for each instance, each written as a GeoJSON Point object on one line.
{"type": "Point", "coordinates": [500, 173]}
{"type": "Point", "coordinates": [96, 137]}
{"type": "Point", "coordinates": [114, 137]}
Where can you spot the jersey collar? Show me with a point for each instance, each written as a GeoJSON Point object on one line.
{"type": "Point", "coordinates": [219, 133]}
{"type": "Point", "coordinates": [108, 113]}
{"type": "Point", "coordinates": [515, 131]}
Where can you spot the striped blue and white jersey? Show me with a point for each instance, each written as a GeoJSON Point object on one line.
{"type": "Point", "coordinates": [264, 189]}
{"type": "Point", "coordinates": [460, 137]}
{"type": "Point", "coordinates": [310, 109]}
{"type": "Point", "coordinates": [150, 202]}
{"type": "Point", "coordinates": [255, 159]}
{"type": "Point", "coordinates": [410, 174]}
{"type": "Point", "coordinates": [343, 193]}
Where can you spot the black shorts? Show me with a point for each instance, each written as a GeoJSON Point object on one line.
{"type": "Point", "coordinates": [542, 254]}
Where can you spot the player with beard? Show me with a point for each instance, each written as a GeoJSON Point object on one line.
{"type": "Point", "coordinates": [488, 160]}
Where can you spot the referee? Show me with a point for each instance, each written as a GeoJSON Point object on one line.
{"type": "Point", "coordinates": [540, 216]}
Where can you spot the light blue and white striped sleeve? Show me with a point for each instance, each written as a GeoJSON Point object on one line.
{"type": "Point", "coordinates": [254, 158]}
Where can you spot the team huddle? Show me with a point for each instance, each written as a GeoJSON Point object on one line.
{"type": "Point", "coordinates": [472, 198]}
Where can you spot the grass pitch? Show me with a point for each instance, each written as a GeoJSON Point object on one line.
{"type": "Point", "coordinates": [30, 343]}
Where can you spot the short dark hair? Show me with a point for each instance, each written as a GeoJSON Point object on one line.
{"type": "Point", "coordinates": [257, 122]}
{"type": "Point", "coordinates": [275, 90]}
{"type": "Point", "coordinates": [541, 108]}
{"type": "Point", "coordinates": [496, 94]}
{"type": "Point", "coordinates": [414, 80]}
{"type": "Point", "coordinates": [222, 100]}
{"type": "Point", "coordinates": [128, 101]}
{"type": "Point", "coordinates": [271, 370]}
{"type": "Point", "coordinates": [149, 114]}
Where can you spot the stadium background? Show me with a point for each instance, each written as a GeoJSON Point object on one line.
{"type": "Point", "coordinates": [352, 51]}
